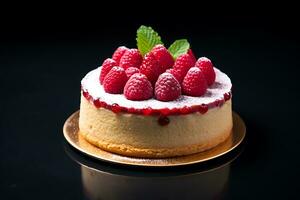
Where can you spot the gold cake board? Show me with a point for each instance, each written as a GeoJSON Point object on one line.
{"type": "Point", "coordinates": [71, 134]}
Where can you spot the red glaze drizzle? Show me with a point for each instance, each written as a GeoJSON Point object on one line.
{"type": "Point", "coordinates": [203, 108]}
{"type": "Point", "coordinates": [163, 120]}
{"type": "Point", "coordinates": [227, 96]}
{"type": "Point", "coordinates": [86, 95]}
{"type": "Point", "coordinates": [147, 111]}
{"type": "Point", "coordinates": [116, 108]}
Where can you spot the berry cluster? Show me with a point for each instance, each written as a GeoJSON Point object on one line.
{"type": "Point", "coordinates": [157, 74]}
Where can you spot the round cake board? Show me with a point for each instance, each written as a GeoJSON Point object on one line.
{"type": "Point", "coordinates": [71, 134]}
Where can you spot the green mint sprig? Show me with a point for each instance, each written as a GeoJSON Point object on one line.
{"type": "Point", "coordinates": [179, 47]}
{"type": "Point", "coordinates": [147, 38]}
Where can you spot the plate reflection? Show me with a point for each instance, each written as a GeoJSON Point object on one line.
{"type": "Point", "coordinates": [102, 180]}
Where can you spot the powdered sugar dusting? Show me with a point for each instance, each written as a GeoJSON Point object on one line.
{"type": "Point", "coordinates": [194, 70]}
{"type": "Point", "coordinates": [91, 84]}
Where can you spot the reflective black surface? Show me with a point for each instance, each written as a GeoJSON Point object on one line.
{"type": "Point", "coordinates": [205, 181]}
{"type": "Point", "coordinates": [42, 64]}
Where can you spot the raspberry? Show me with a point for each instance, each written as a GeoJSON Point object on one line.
{"type": "Point", "coordinates": [163, 57]}
{"type": "Point", "coordinates": [119, 53]}
{"type": "Point", "coordinates": [194, 83]}
{"type": "Point", "coordinates": [190, 52]}
{"type": "Point", "coordinates": [138, 88]}
{"type": "Point", "coordinates": [207, 68]}
{"type": "Point", "coordinates": [115, 80]}
{"type": "Point", "coordinates": [106, 67]}
{"type": "Point", "coordinates": [131, 58]}
{"type": "Point", "coordinates": [179, 75]}
{"type": "Point", "coordinates": [130, 71]}
{"type": "Point", "coordinates": [183, 63]}
{"type": "Point", "coordinates": [167, 88]}
{"type": "Point", "coordinates": [150, 67]}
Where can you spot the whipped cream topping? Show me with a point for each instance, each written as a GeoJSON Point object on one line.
{"type": "Point", "coordinates": [91, 84]}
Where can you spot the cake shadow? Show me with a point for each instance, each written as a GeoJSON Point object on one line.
{"type": "Point", "coordinates": [256, 142]}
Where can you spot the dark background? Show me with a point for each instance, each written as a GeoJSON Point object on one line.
{"type": "Point", "coordinates": [45, 53]}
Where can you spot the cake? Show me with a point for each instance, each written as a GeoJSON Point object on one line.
{"type": "Point", "coordinates": [154, 102]}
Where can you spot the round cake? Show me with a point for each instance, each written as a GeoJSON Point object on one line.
{"type": "Point", "coordinates": [157, 104]}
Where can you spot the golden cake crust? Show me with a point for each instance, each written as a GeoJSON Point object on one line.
{"type": "Point", "coordinates": [129, 150]}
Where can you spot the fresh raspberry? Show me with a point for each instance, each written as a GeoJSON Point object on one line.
{"type": "Point", "coordinates": [130, 71]}
{"type": "Point", "coordinates": [190, 52]}
{"type": "Point", "coordinates": [150, 67]}
{"type": "Point", "coordinates": [207, 68]}
{"type": "Point", "coordinates": [115, 80]}
{"type": "Point", "coordinates": [179, 75]}
{"type": "Point", "coordinates": [183, 63]}
{"type": "Point", "coordinates": [138, 88]}
{"type": "Point", "coordinates": [131, 58]}
{"type": "Point", "coordinates": [106, 67]}
{"type": "Point", "coordinates": [167, 88]}
{"type": "Point", "coordinates": [163, 57]}
{"type": "Point", "coordinates": [119, 53]}
{"type": "Point", "coordinates": [194, 83]}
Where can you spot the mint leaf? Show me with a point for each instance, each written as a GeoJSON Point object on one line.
{"type": "Point", "coordinates": [179, 47]}
{"type": "Point", "coordinates": [146, 39]}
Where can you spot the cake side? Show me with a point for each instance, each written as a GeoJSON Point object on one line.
{"type": "Point", "coordinates": [142, 136]}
